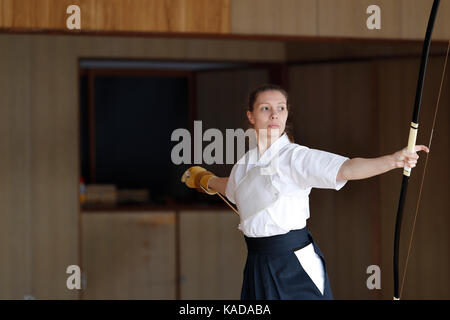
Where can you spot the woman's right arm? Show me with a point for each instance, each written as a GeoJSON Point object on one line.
{"type": "Point", "coordinates": [218, 184]}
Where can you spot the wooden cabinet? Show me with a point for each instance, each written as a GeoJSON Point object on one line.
{"type": "Point", "coordinates": [161, 255]}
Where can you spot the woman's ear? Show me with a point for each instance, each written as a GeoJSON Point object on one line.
{"type": "Point", "coordinates": [250, 117]}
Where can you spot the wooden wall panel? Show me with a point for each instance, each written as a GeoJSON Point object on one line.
{"type": "Point", "coordinates": [203, 16]}
{"type": "Point", "coordinates": [206, 15]}
{"type": "Point", "coordinates": [404, 19]}
{"type": "Point", "coordinates": [54, 164]}
{"type": "Point", "coordinates": [158, 48]}
{"type": "Point", "coordinates": [24, 13]}
{"type": "Point", "coordinates": [39, 106]}
{"type": "Point", "coordinates": [415, 15]}
{"type": "Point", "coordinates": [323, 51]}
{"type": "Point", "coordinates": [128, 255]}
{"type": "Point", "coordinates": [15, 173]}
{"type": "Point", "coordinates": [429, 258]}
{"type": "Point", "coordinates": [442, 26]}
{"type": "Point", "coordinates": [213, 253]}
{"type": "Point", "coordinates": [348, 18]}
{"type": "Point", "coordinates": [269, 17]}
{"type": "Point", "coordinates": [334, 109]}
{"type": "Point", "coordinates": [399, 19]}
{"type": "Point", "coordinates": [39, 88]}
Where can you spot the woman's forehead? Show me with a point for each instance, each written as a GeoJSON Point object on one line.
{"type": "Point", "coordinates": [272, 96]}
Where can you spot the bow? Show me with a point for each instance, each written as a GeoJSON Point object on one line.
{"type": "Point", "coordinates": [412, 142]}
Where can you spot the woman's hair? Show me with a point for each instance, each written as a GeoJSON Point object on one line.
{"type": "Point", "coordinates": [253, 96]}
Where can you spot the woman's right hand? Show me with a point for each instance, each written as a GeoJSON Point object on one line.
{"type": "Point", "coordinates": [198, 178]}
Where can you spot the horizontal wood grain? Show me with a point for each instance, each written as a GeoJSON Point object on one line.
{"type": "Point", "coordinates": [348, 18]}
{"type": "Point", "coordinates": [402, 19]}
{"type": "Point", "coordinates": [205, 16]}
{"type": "Point", "coordinates": [287, 17]}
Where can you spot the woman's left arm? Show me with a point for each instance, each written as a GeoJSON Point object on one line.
{"type": "Point", "coordinates": [361, 168]}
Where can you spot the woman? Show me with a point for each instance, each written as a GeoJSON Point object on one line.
{"type": "Point", "coordinates": [270, 185]}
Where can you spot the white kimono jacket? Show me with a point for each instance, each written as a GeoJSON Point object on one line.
{"type": "Point", "coordinates": [272, 192]}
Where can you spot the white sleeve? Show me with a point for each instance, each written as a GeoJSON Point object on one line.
{"type": "Point", "coordinates": [316, 169]}
{"type": "Point", "coordinates": [231, 185]}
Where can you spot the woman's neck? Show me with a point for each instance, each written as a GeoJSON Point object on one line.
{"type": "Point", "coordinates": [264, 142]}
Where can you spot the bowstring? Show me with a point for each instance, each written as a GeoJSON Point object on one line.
{"type": "Point", "coordinates": [206, 191]}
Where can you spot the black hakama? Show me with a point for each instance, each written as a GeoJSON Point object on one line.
{"type": "Point", "coordinates": [272, 270]}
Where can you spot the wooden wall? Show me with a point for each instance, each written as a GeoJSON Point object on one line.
{"type": "Point", "coordinates": [212, 255]}
{"type": "Point", "coordinates": [162, 255]}
{"type": "Point", "coordinates": [203, 16]}
{"type": "Point", "coordinates": [364, 110]}
{"type": "Point", "coordinates": [397, 80]}
{"type": "Point", "coordinates": [334, 109]}
{"type": "Point", "coordinates": [403, 19]}
{"type": "Point", "coordinates": [15, 170]}
{"type": "Point", "coordinates": [128, 255]}
{"type": "Point", "coordinates": [39, 125]}
{"type": "Point", "coordinates": [268, 17]}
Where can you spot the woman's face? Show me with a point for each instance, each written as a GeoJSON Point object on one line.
{"type": "Point", "coordinates": [269, 113]}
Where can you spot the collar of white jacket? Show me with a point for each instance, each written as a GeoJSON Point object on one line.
{"type": "Point", "coordinates": [269, 154]}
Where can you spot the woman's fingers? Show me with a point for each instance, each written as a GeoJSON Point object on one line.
{"type": "Point", "coordinates": [411, 164]}
{"type": "Point", "coordinates": [405, 157]}
{"type": "Point", "coordinates": [413, 155]}
{"type": "Point", "coordinates": [421, 148]}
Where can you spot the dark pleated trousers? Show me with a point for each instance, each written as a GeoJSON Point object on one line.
{"type": "Point", "coordinates": [273, 272]}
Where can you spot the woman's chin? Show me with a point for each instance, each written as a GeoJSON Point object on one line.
{"type": "Point", "coordinates": [270, 132]}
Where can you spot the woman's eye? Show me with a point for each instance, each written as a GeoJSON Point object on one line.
{"type": "Point", "coordinates": [265, 108]}
{"type": "Point", "coordinates": [281, 108]}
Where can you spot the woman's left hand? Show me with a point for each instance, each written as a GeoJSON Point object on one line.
{"type": "Point", "coordinates": [405, 157]}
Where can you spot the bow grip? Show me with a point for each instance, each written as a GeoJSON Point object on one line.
{"type": "Point", "coordinates": [411, 144]}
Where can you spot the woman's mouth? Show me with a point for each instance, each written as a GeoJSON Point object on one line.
{"type": "Point", "coordinates": [274, 126]}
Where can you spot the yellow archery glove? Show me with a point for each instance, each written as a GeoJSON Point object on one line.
{"type": "Point", "coordinates": [198, 178]}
